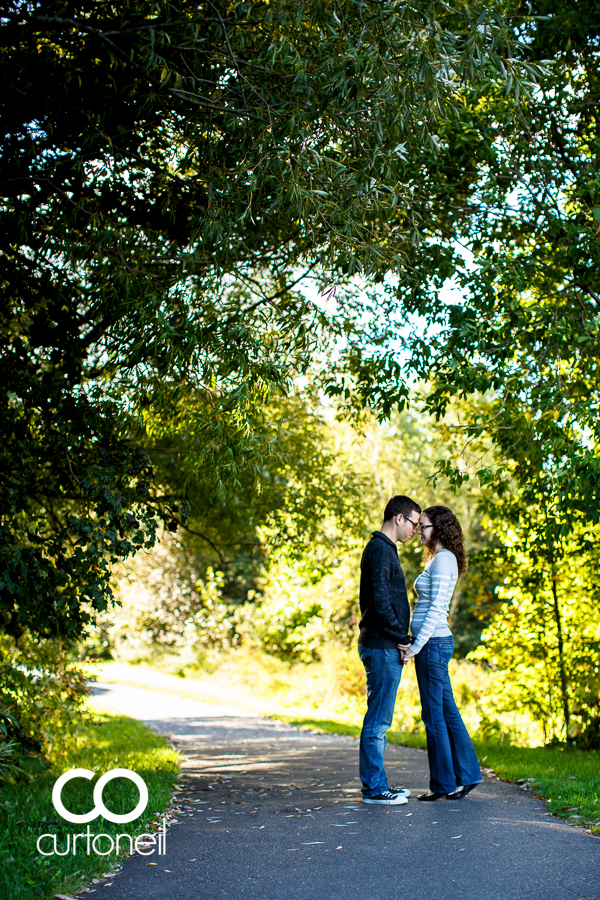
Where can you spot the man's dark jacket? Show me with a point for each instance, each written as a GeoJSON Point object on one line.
{"type": "Point", "coordinates": [383, 599]}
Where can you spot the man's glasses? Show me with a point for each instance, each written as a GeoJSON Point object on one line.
{"type": "Point", "coordinates": [415, 525]}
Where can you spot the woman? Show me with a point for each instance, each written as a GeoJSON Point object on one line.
{"type": "Point", "coordinates": [453, 767]}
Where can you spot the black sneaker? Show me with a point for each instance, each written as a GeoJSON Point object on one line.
{"type": "Point", "coordinates": [387, 798]}
{"type": "Point", "coordinates": [398, 789]}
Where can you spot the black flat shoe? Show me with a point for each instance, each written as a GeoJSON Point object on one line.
{"type": "Point", "coordinates": [430, 796]}
{"type": "Point", "coordinates": [461, 792]}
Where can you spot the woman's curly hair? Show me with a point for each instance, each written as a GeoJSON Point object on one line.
{"type": "Point", "coordinates": [447, 531]}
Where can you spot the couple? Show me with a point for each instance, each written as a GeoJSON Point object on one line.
{"type": "Point", "coordinates": [384, 646]}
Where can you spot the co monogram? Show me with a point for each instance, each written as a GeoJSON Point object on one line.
{"type": "Point", "coordinates": [99, 807]}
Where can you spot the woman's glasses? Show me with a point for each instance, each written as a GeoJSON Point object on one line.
{"type": "Point", "coordinates": [417, 527]}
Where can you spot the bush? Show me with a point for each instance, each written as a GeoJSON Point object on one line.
{"type": "Point", "coordinates": [300, 611]}
{"type": "Point", "coordinates": [41, 689]}
{"type": "Point", "coordinates": [15, 744]}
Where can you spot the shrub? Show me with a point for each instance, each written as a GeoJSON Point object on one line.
{"type": "Point", "coordinates": [41, 689]}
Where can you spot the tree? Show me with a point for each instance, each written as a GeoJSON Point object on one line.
{"type": "Point", "coordinates": [166, 169]}
{"type": "Point", "coordinates": [523, 345]}
{"type": "Point", "coordinates": [524, 249]}
{"type": "Point", "coordinates": [186, 594]}
{"type": "Point", "coordinates": [517, 195]}
{"type": "Point", "coordinates": [544, 641]}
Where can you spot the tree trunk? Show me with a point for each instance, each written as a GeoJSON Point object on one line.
{"type": "Point", "coordinates": [561, 657]}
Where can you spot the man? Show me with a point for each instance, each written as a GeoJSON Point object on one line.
{"type": "Point", "coordinates": [384, 624]}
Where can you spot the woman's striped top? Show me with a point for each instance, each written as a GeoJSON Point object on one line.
{"type": "Point", "coordinates": [434, 586]}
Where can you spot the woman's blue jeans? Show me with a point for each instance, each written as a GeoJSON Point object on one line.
{"type": "Point", "coordinates": [384, 670]}
{"type": "Point", "coordinates": [452, 758]}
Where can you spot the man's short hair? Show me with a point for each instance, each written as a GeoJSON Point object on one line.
{"type": "Point", "coordinates": [400, 506]}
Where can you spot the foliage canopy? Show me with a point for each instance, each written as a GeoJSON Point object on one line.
{"type": "Point", "coordinates": [166, 167]}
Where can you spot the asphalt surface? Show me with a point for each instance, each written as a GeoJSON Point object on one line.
{"type": "Point", "coordinates": [269, 812]}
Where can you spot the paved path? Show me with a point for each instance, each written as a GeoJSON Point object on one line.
{"type": "Point", "coordinates": [273, 813]}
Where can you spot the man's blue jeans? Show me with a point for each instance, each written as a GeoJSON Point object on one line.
{"type": "Point", "coordinates": [452, 758]}
{"type": "Point", "coordinates": [384, 670]}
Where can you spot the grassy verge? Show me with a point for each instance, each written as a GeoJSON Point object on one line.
{"type": "Point", "coordinates": [101, 743]}
{"type": "Point", "coordinates": [567, 778]}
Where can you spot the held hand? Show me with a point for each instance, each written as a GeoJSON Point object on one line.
{"type": "Point", "coordinates": [406, 652]}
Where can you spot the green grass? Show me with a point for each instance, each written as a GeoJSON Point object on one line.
{"type": "Point", "coordinates": [101, 743]}
{"type": "Point", "coordinates": [569, 779]}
